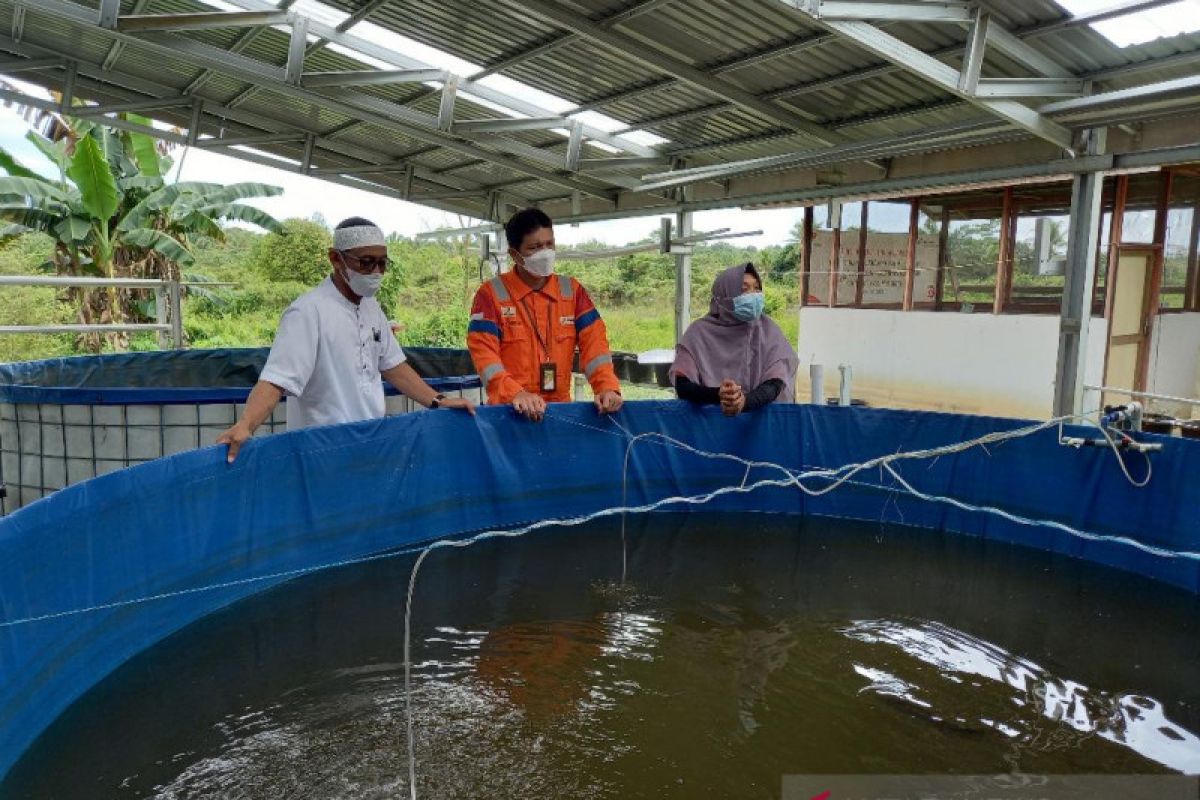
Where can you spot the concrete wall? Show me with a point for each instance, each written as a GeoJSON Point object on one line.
{"type": "Point", "coordinates": [1175, 363]}
{"type": "Point", "coordinates": [968, 363]}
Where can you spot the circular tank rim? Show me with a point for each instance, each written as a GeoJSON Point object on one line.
{"type": "Point", "coordinates": [88, 379]}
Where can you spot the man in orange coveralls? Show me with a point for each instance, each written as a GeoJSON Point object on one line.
{"type": "Point", "coordinates": [527, 323]}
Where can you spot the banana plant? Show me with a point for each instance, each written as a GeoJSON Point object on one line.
{"type": "Point", "coordinates": [111, 213]}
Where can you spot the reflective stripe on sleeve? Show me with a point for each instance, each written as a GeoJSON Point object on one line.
{"type": "Point", "coordinates": [596, 363]}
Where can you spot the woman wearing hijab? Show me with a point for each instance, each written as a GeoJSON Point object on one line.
{"type": "Point", "coordinates": [736, 356]}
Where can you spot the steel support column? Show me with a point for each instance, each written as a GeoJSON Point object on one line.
{"type": "Point", "coordinates": [1076, 314]}
{"type": "Point", "coordinates": [683, 276]}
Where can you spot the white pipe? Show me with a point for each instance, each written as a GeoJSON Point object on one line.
{"type": "Point", "coordinates": [128, 283]}
{"type": "Point", "coordinates": [847, 379]}
{"type": "Point", "coordinates": [1130, 393]}
{"type": "Point", "coordinates": [132, 327]}
{"type": "Point", "coordinates": [816, 376]}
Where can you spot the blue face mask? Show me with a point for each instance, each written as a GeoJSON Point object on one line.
{"type": "Point", "coordinates": [748, 307]}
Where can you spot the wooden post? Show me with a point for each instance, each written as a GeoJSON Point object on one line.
{"type": "Point", "coordinates": [834, 254]}
{"type": "Point", "coordinates": [910, 262]}
{"type": "Point", "coordinates": [806, 243]}
{"type": "Point", "coordinates": [1099, 250]}
{"type": "Point", "coordinates": [1004, 260]}
{"type": "Point", "coordinates": [1162, 208]}
{"type": "Point", "coordinates": [943, 254]}
{"type": "Point", "coordinates": [1191, 292]}
{"type": "Point", "coordinates": [862, 255]}
{"type": "Point", "coordinates": [1116, 234]}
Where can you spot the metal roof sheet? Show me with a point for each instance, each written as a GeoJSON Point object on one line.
{"type": "Point", "coordinates": [759, 70]}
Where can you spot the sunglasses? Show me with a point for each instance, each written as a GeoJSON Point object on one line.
{"type": "Point", "coordinates": [366, 265]}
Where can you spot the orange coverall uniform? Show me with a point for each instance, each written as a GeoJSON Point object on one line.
{"type": "Point", "coordinates": [509, 353]}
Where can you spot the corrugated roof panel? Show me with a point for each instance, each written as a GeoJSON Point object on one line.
{"type": "Point", "coordinates": [151, 66]}
{"type": "Point", "coordinates": [478, 31]}
{"type": "Point", "coordinates": [703, 33]}
{"type": "Point", "coordinates": [675, 98]}
{"type": "Point", "coordinates": [580, 71]}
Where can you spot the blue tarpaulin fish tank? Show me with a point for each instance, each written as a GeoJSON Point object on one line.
{"type": "Point", "coordinates": [185, 627]}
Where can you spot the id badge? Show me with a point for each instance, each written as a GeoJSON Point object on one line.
{"type": "Point", "coordinates": [549, 377]}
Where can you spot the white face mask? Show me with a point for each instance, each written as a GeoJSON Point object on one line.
{"type": "Point", "coordinates": [363, 285]}
{"type": "Point", "coordinates": [540, 263]}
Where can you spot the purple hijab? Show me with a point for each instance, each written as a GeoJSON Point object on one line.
{"type": "Point", "coordinates": [721, 346]}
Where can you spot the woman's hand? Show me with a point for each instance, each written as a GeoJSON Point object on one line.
{"type": "Point", "coordinates": [733, 399]}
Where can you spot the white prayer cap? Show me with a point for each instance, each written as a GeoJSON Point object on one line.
{"type": "Point", "coordinates": [358, 236]}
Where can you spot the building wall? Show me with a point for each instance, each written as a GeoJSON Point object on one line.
{"type": "Point", "coordinates": [1175, 362]}
{"type": "Point", "coordinates": [969, 363]}
{"type": "Point", "coordinates": [1096, 351]}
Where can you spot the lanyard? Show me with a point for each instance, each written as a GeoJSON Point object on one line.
{"type": "Point", "coordinates": [533, 325]}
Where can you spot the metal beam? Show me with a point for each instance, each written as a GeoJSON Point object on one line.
{"type": "Point", "coordinates": [223, 115]}
{"type": "Point", "coordinates": [297, 43]}
{"type": "Point", "coordinates": [419, 196]}
{"type": "Point", "coordinates": [417, 125]}
{"type": "Point", "coordinates": [509, 124]}
{"type": "Point", "coordinates": [895, 10]}
{"type": "Point", "coordinates": [201, 20]}
{"type": "Point", "coordinates": [121, 124]}
{"type": "Point", "coordinates": [310, 146]}
{"type": "Point", "coordinates": [18, 22]}
{"type": "Point", "coordinates": [1075, 317]}
{"type": "Point", "coordinates": [1029, 87]}
{"type": "Point", "coordinates": [946, 77]}
{"type": "Point", "coordinates": [397, 60]}
{"type": "Point", "coordinates": [110, 12]}
{"type": "Point", "coordinates": [372, 77]}
{"type": "Point", "coordinates": [27, 64]}
{"type": "Point", "coordinates": [618, 164]}
{"type": "Point", "coordinates": [561, 39]}
{"type": "Point", "coordinates": [114, 52]}
{"type": "Point", "coordinates": [365, 186]}
{"type": "Point", "coordinates": [893, 188]}
{"type": "Point", "coordinates": [445, 117]}
{"type": "Point", "coordinates": [920, 139]}
{"type": "Point", "coordinates": [1016, 49]}
{"type": "Point", "coordinates": [243, 41]}
{"type": "Point", "coordinates": [631, 48]}
{"type": "Point", "coordinates": [968, 79]}
{"type": "Point", "coordinates": [1011, 44]}
{"type": "Point", "coordinates": [149, 104]}
{"type": "Point", "coordinates": [197, 120]}
{"type": "Point", "coordinates": [1186, 86]}
{"type": "Point", "coordinates": [250, 141]}
{"type": "Point", "coordinates": [68, 87]}
{"type": "Point", "coordinates": [361, 169]}
{"type": "Point", "coordinates": [574, 147]}
{"type": "Point", "coordinates": [349, 22]}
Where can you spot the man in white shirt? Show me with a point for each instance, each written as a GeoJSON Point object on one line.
{"type": "Point", "coordinates": [333, 345]}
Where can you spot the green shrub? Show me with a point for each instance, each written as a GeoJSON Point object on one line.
{"type": "Point", "coordinates": [299, 253]}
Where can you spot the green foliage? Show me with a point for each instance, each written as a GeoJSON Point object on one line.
{"type": "Point", "coordinates": [110, 214]}
{"type": "Point", "coordinates": [439, 327]}
{"type": "Point", "coordinates": [429, 291]}
{"type": "Point", "coordinates": [297, 252]}
{"type": "Point", "coordinates": [92, 175]}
